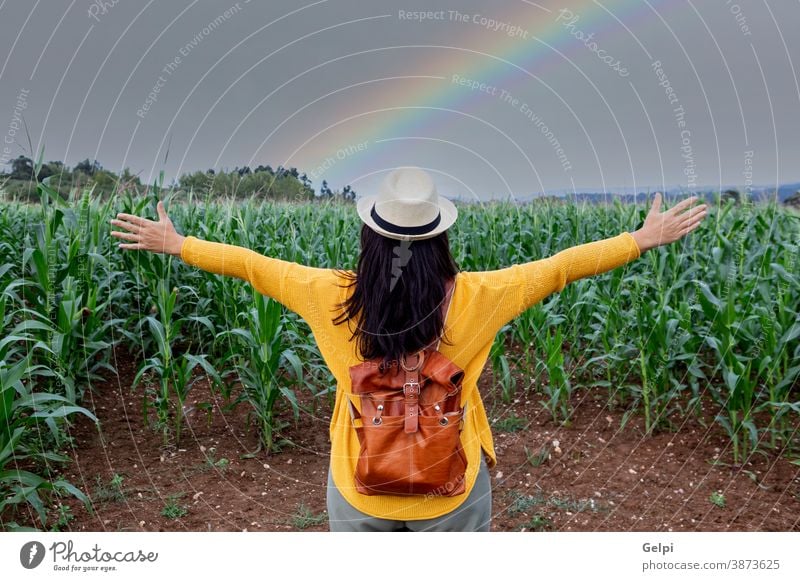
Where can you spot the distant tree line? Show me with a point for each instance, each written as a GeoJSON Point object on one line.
{"type": "Point", "coordinates": [280, 183]}
{"type": "Point", "coordinates": [735, 197]}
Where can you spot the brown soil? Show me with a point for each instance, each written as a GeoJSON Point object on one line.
{"type": "Point", "coordinates": [599, 478]}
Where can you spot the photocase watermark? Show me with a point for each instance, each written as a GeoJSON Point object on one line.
{"type": "Point", "coordinates": [534, 118]}
{"type": "Point", "coordinates": [689, 169]}
{"type": "Point", "coordinates": [687, 153]}
{"type": "Point", "coordinates": [490, 24]}
{"type": "Point", "coordinates": [83, 258]}
{"type": "Point", "coordinates": [32, 555]}
{"type": "Point", "coordinates": [741, 20]}
{"type": "Point", "coordinates": [474, 85]}
{"type": "Point", "coordinates": [757, 348]}
{"type": "Point", "coordinates": [14, 125]}
{"type": "Point", "coordinates": [747, 172]}
{"type": "Point", "coordinates": [511, 30]}
{"type": "Point", "coordinates": [152, 96]}
{"type": "Point", "coordinates": [393, 363]}
{"type": "Point", "coordinates": [402, 254]}
{"type": "Point", "coordinates": [734, 274]}
{"type": "Point", "coordinates": [445, 488]}
{"type": "Point", "coordinates": [173, 65]}
{"type": "Point", "coordinates": [507, 98]}
{"type": "Point", "coordinates": [341, 154]}
{"type": "Point", "coordinates": [98, 8]}
{"type": "Point", "coordinates": [568, 20]}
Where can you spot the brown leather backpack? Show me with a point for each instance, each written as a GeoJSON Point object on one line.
{"type": "Point", "coordinates": [409, 425]}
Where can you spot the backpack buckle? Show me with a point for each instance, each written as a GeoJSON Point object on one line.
{"type": "Point", "coordinates": [411, 388]}
{"type": "Point", "coordinates": [411, 391]}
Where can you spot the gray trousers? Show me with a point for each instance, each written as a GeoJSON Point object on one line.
{"type": "Point", "coordinates": [474, 514]}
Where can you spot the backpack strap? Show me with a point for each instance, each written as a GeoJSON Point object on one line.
{"type": "Point", "coordinates": [411, 389]}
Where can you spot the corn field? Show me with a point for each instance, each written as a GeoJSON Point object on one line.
{"type": "Point", "coordinates": [708, 322]}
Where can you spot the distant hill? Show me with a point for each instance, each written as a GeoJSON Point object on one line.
{"type": "Point", "coordinates": [787, 190]}
{"type": "Point", "coordinates": [628, 195]}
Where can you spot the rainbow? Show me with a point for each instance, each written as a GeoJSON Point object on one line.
{"type": "Point", "coordinates": [493, 64]}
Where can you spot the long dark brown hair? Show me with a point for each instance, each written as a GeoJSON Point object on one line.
{"type": "Point", "coordinates": [399, 294]}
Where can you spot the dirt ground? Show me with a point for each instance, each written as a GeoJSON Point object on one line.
{"type": "Point", "coordinates": [593, 477]}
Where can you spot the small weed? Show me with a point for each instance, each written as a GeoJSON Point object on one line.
{"type": "Point", "coordinates": [64, 516]}
{"type": "Point", "coordinates": [221, 463]}
{"type": "Point", "coordinates": [304, 517]}
{"type": "Point", "coordinates": [111, 491]}
{"type": "Point", "coordinates": [523, 502]}
{"type": "Point", "coordinates": [211, 462]}
{"type": "Point", "coordinates": [208, 409]}
{"type": "Point", "coordinates": [537, 522]}
{"type": "Point", "coordinates": [510, 424]}
{"type": "Point", "coordinates": [717, 499]}
{"type": "Point", "coordinates": [540, 457]}
{"type": "Point", "coordinates": [573, 505]}
{"type": "Point", "coordinates": [172, 509]}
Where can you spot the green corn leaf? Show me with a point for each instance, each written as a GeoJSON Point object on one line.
{"type": "Point", "coordinates": [792, 333]}
{"type": "Point", "coordinates": [63, 412]}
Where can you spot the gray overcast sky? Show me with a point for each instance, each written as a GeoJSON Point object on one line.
{"type": "Point", "coordinates": [495, 99]}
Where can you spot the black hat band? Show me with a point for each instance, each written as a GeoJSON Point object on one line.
{"type": "Point", "coordinates": [395, 229]}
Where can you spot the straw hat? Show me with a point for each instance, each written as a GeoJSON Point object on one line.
{"type": "Point", "coordinates": [407, 206]}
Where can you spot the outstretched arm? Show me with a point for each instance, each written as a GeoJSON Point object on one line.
{"type": "Point", "coordinates": [287, 282]}
{"type": "Point", "coordinates": [543, 277]}
{"type": "Point", "coordinates": [520, 286]}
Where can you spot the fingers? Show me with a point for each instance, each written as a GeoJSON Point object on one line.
{"type": "Point", "coordinates": [693, 213]}
{"type": "Point", "coordinates": [126, 225]}
{"type": "Point", "coordinates": [692, 223]}
{"type": "Point", "coordinates": [691, 228]}
{"type": "Point", "coordinates": [133, 219]}
{"type": "Point", "coordinates": [131, 246]}
{"type": "Point", "coordinates": [162, 214]}
{"type": "Point", "coordinates": [656, 207]}
{"type": "Point", "coordinates": [681, 205]}
{"type": "Point", "coordinates": [126, 235]}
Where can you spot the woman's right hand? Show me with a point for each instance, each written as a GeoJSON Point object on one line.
{"type": "Point", "coordinates": [148, 235]}
{"type": "Point", "coordinates": [662, 228]}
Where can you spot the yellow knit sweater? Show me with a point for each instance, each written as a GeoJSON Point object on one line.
{"type": "Point", "coordinates": [482, 303]}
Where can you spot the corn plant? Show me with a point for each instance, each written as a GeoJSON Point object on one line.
{"type": "Point", "coordinates": [174, 374]}
{"type": "Point", "coordinates": [502, 375]}
{"type": "Point", "coordinates": [527, 331]}
{"type": "Point", "coordinates": [23, 416]}
{"type": "Point", "coordinates": [258, 353]}
{"type": "Point", "coordinates": [558, 388]}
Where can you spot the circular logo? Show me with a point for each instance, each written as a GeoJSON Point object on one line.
{"type": "Point", "coordinates": [31, 554]}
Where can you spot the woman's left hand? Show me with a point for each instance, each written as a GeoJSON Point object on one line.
{"type": "Point", "coordinates": [665, 227]}
{"type": "Point", "coordinates": [145, 234]}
